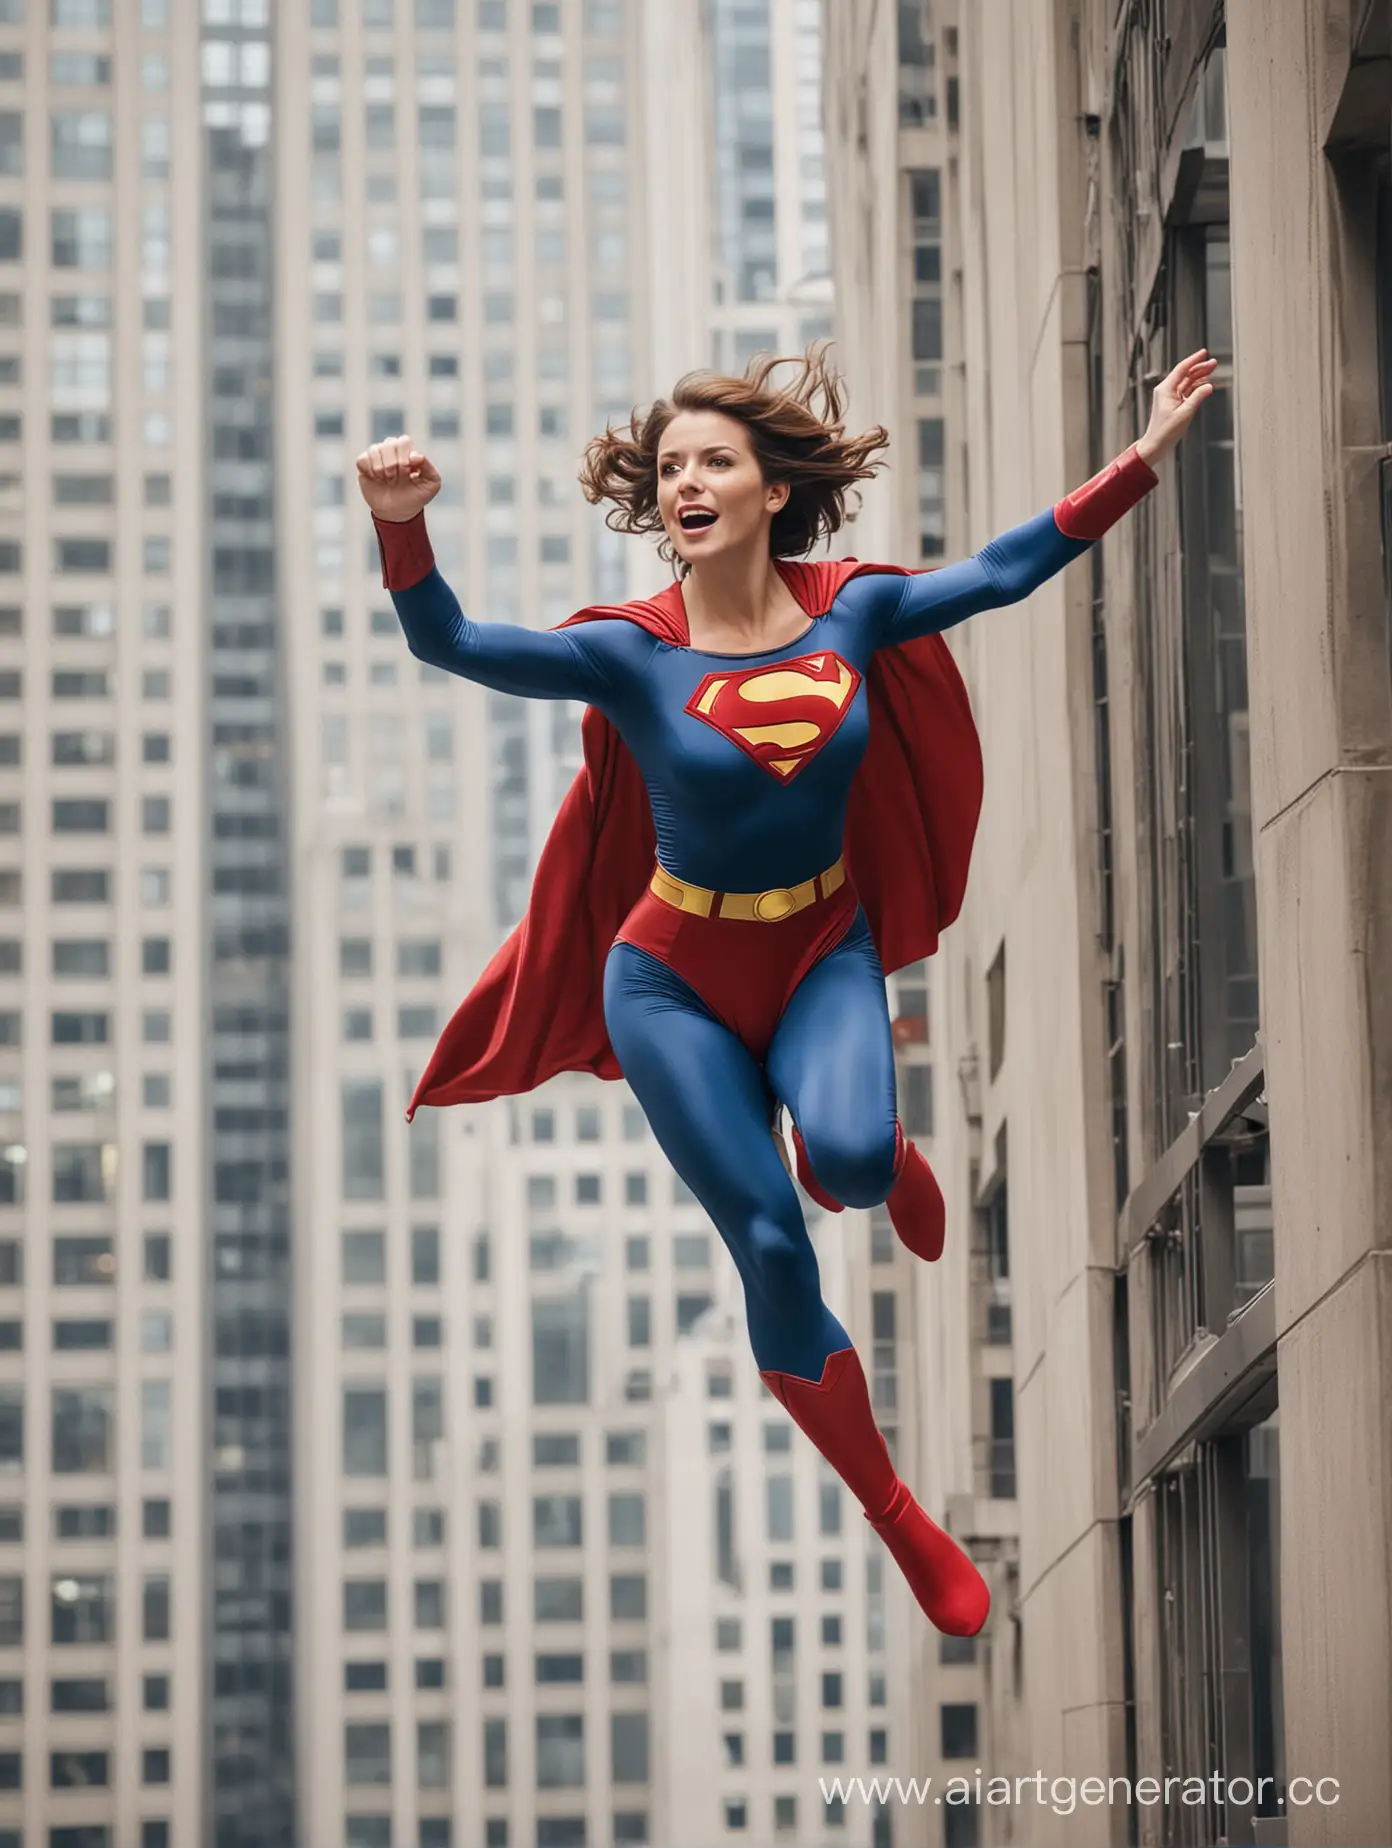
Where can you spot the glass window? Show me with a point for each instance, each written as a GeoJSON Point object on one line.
{"type": "Point", "coordinates": [558, 1600]}
{"type": "Point", "coordinates": [364, 1257]}
{"type": "Point", "coordinates": [81, 144]}
{"type": "Point", "coordinates": [364, 1604]}
{"type": "Point", "coordinates": [432, 1754]}
{"type": "Point", "coordinates": [495, 1754]}
{"type": "Point", "coordinates": [364, 1527]}
{"type": "Point", "coordinates": [628, 1596]}
{"type": "Point", "coordinates": [627, 1520]}
{"type": "Point", "coordinates": [82, 1608]}
{"type": "Point", "coordinates": [362, 1139]}
{"type": "Point", "coordinates": [560, 1751]}
{"type": "Point", "coordinates": [156, 1435]}
{"type": "Point", "coordinates": [367, 1753]}
{"type": "Point", "coordinates": [629, 1748]}
{"type": "Point", "coordinates": [83, 1429]}
{"type": "Point", "coordinates": [560, 1349]}
{"type": "Point", "coordinates": [958, 1729]}
{"type": "Point", "coordinates": [364, 1431]}
{"type": "Point", "coordinates": [556, 1520]}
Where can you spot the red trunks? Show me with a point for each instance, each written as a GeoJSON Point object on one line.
{"type": "Point", "coordinates": [744, 971]}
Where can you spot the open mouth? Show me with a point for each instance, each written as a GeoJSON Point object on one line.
{"type": "Point", "coordinates": [697, 519]}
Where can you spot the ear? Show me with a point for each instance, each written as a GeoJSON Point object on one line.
{"type": "Point", "coordinates": [776, 498]}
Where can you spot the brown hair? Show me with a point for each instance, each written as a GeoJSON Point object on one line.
{"type": "Point", "coordinates": [796, 433]}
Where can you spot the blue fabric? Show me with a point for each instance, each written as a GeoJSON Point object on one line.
{"type": "Point", "coordinates": [711, 1106]}
{"type": "Point", "coordinates": [722, 820]}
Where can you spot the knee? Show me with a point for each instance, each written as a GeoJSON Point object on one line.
{"type": "Point", "coordinates": [854, 1162]}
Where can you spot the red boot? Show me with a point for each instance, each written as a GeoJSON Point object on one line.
{"type": "Point", "coordinates": [808, 1181]}
{"type": "Point", "coordinates": [916, 1208]}
{"type": "Point", "coordinates": [835, 1413]}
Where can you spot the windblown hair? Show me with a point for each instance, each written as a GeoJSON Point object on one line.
{"type": "Point", "coordinates": [796, 432]}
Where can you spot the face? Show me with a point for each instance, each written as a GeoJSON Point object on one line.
{"type": "Point", "coordinates": [710, 492]}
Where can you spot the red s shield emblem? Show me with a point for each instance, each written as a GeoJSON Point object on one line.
{"type": "Point", "coordinates": [780, 716]}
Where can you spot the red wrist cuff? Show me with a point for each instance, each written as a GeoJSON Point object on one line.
{"type": "Point", "coordinates": [405, 550]}
{"type": "Point", "coordinates": [1088, 511]}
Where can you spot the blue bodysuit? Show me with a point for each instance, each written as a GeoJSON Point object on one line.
{"type": "Point", "coordinates": [740, 807]}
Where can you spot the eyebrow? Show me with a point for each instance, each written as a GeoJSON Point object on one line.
{"type": "Point", "coordinates": [710, 449]}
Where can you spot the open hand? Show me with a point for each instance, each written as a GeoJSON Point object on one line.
{"type": "Point", "coordinates": [397, 481]}
{"type": "Point", "coordinates": [1175, 404]}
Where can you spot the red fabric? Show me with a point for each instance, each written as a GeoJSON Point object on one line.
{"type": "Point", "coordinates": [405, 551]}
{"type": "Point", "coordinates": [835, 1413]}
{"type": "Point", "coordinates": [538, 1010]}
{"type": "Point", "coordinates": [743, 970]}
{"type": "Point", "coordinates": [1089, 511]}
{"type": "Point", "coordinates": [917, 1210]}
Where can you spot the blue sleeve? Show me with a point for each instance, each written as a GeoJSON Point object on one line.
{"type": "Point", "coordinates": [1003, 571]}
{"type": "Point", "coordinates": [583, 662]}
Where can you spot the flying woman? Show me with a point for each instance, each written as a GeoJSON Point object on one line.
{"type": "Point", "coordinates": [781, 786]}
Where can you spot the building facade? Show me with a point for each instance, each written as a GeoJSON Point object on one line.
{"type": "Point", "coordinates": [1158, 1026]}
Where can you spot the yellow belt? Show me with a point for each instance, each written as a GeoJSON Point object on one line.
{"type": "Point", "coordinates": [761, 907]}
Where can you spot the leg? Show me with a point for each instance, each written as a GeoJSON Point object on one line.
{"type": "Point", "coordinates": [708, 1105]}
{"type": "Point", "coordinates": [832, 1064]}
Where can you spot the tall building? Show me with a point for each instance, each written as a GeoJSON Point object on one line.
{"type": "Point", "coordinates": [1158, 1024]}
{"type": "Point", "coordinates": [107, 1562]}
{"type": "Point", "coordinates": [302, 1412]}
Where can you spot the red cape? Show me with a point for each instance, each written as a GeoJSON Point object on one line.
{"type": "Point", "coordinates": [537, 1009]}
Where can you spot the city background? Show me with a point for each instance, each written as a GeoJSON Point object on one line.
{"type": "Point", "coordinates": [375, 1486]}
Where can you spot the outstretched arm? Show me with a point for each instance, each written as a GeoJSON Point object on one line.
{"type": "Point", "coordinates": [1019, 561]}
{"type": "Point", "coordinates": [397, 483]}
{"type": "Point", "coordinates": [534, 663]}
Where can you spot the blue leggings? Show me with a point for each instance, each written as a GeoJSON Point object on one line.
{"type": "Point", "coordinates": [711, 1104]}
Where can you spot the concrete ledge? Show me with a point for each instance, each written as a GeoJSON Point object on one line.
{"type": "Point", "coordinates": [1233, 1371]}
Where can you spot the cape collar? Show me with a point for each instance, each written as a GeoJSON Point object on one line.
{"type": "Point", "coordinates": [664, 615]}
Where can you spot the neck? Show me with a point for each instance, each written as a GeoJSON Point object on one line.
{"type": "Point", "coordinates": [741, 594]}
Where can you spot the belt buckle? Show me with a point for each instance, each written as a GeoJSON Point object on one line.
{"type": "Point", "coordinates": [778, 902]}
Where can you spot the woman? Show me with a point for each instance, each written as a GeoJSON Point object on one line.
{"type": "Point", "coordinates": [807, 769]}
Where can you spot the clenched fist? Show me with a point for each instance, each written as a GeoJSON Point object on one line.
{"type": "Point", "coordinates": [397, 481]}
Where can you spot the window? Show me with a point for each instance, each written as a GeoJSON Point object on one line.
{"type": "Point", "coordinates": [432, 1754]}
{"type": "Point", "coordinates": [558, 1600]}
{"type": "Point", "coordinates": [83, 1262]}
{"type": "Point", "coordinates": [364, 1604]}
{"type": "Point", "coordinates": [364, 1257]}
{"type": "Point", "coordinates": [556, 1520]}
{"type": "Point", "coordinates": [560, 1349]}
{"type": "Point", "coordinates": [429, 1597]}
{"type": "Point", "coordinates": [11, 1611]}
{"type": "Point", "coordinates": [560, 1751]}
{"type": "Point", "coordinates": [364, 1527]}
{"type": "Point", "coordinates": [82, 1429]}
{"type": "Point", "coordinates": [82, 1608]}
{"type": "Point", "coordinates": [155, 1424]}
{"type": "Point", "coordinates": [155, 1608]}
{"type": "Point", "coordinates": [628, 1597]}
{"type": "Point", "coordinates": [958, 1730]}
{"type": "Point", "coordinates": [362, 1139]}
{"type": "Point", "coordinates": [364, 1431]}
{"type": "Point", "coordinates": [367, 1753]}
{"type": "Point", "coordinates": [627, 1520]}
{"type": "Point", "coordinates": [80, 145]}
{"type": "Point", "coordinates": [639, 1321]}
{"type": "Point", "coordinates": [555, 1449]}
{"type": "Point", "coordinates": [560, 1670]}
